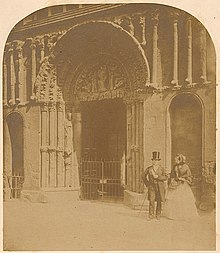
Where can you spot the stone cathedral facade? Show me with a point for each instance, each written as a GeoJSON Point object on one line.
{"type": "Point", "coordinates": [89, 91]}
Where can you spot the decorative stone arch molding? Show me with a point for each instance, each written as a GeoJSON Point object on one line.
{"type": "Point", "coordinates": [100, 40]}
{"type": "Point", "coordinates": [45, 86]}
{"type": "Point", "coordinates": [83, 44]}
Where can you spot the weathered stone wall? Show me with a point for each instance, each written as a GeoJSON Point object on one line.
{"type": "Point", "coordinates": [156, 121]}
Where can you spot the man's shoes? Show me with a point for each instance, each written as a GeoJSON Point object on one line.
{"type": "Point", "coordinates": [158, 217]}
{"type": "Point", "coordinates": [150, 217]}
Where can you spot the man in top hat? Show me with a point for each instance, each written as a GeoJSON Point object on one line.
{"type": "Point", "coordinates": [154, 178]}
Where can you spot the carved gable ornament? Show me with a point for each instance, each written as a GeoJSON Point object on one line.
{"type": "Point", "coordinates": [101, 74]}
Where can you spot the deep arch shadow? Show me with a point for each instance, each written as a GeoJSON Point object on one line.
{"type": "Point", "coordinates": [186, 132]}
{"type": "Point", "coordinates": [15, 126]}
{"type": "Point", "coordinates": [92, 40]}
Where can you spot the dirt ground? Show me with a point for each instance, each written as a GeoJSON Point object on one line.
{"type": "Point", "coordinates": [85, 225]}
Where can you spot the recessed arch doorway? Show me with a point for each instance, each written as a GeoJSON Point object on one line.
{"type": "Point", "coordinates": [15, 172]}
{"type": "Point", "coordinates": [186, 116]}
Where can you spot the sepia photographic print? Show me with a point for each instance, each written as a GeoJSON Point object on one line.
{"type": "Point", "coordinates": [109, 129]}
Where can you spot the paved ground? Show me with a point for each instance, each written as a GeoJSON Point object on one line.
{"type": "Point", "coordinates": [85, 225]}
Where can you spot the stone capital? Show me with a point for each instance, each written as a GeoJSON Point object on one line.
{"type": "Point", "coordinates": [18, 45]}
{"type": "Point", "coordinates": [44, 106]}
{"type": "Point", "coordinates": [60, 106]}
{"type": "Point", "coordinates": [60, 149]}
{"type": "Point", "coordinates": [174, 15]}
{"type": "Point", "coordinates": [51, 149]}
{"type": "Point", "coordinates": [142, 20]}
{"type": "Point", "coordinates": [10, 48]}
{"type": "Point", "coordinates": [155, 17]}
{"type": "Point", "coordinates": [44, 149]}
{"type": "Point", "coordinates": [52, 106]}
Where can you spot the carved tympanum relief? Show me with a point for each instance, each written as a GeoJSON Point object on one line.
{"type": "Point", "coordinates": [101, 74]}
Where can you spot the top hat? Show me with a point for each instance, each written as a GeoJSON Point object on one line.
{"type": "Point", "coordinates": [156, 156]}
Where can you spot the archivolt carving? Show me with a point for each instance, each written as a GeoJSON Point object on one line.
{"type": "Point", "coordinates": [45, 84]}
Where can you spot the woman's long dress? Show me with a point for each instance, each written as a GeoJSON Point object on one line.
{"type": "Point", "coordinates": [180, 201]}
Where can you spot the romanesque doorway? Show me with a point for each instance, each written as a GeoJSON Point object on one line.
{"type": "Point", "coordinates": [14, 175]}
{"type": "Point", "coordinates": [186, 134]}
{"type": "Point", "coordinates": [103, 148]}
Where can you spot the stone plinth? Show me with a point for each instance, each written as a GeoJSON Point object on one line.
{"type": "Point", "coordinates": [61, 195]}
{"type": "Point", "coordinates": [208, 198]}
{"type": "Point", "coordinates": [34, 196]}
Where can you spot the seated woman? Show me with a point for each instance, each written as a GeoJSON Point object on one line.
{"type": "Point", "coordinates": [180, 201]}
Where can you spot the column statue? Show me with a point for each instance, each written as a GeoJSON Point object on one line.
{"type": "Point", "coordinates": [68, 149]}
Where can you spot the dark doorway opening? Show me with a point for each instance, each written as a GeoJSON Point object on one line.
{"type": "Point", "coordinates": [15, 179]}
{"type": "Point", "coordinates": [103, 149]}
{"type": "Point", "coordinates": [186, 134]}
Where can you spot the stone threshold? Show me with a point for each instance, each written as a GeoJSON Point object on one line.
{"type": "Point", "coordinates": [60, 189]}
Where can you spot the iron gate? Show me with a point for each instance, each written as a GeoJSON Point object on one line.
{"type": "Point", "coordinates": [12, 186]}
{"type": "Point", "coordinates": [101, 180]}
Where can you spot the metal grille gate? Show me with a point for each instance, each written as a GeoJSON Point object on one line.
{"type": "Point", "coordinates": [101, 180]}
{"type": "Point", "coordinates": [12, 185]}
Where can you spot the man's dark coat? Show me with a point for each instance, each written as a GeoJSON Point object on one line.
{"type": "Point", "coordinates": [155, 186]}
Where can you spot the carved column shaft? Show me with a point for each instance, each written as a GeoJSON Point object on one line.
{"type": "Point", "coordinates": [137, 145]}
{"type": "Point", "coordinates": [12, 76]}
{"type": "Point", "coordinates": [60, 144]}
{"type": "Point", "coordinates": [77, 134]}
{"type": "Point", "coordinates": [44, 146]}
{"type": "Point", "coordinates": [155, 47]}
{"type": "Point", "coordinates": [129, 144]}
{"type": "Point", "coordinates": [19, 93]}
{"type": "Point", "coordinates": [143, 26]}
{"type": "Point", "coordinates": [175, 53]}
{"type": "Point", "coordinates": [33, 65]}
{"type": "Point", "coordinates": [5, 81]}
{"type": "Point", "coordinates": [42, 50]}
{"type": "Point", "coordinates": [133, 137]}
{"type": "Point", "coordinates": [52, 177]}
{"type": "Point", "coordinates": [141, 144]}
{"type": "Point", "coordinates": [175, 48]}
{"type": "Point", "coordinates": [203, 54]}
{"type": "Point", "coordinates": [189, 53]}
